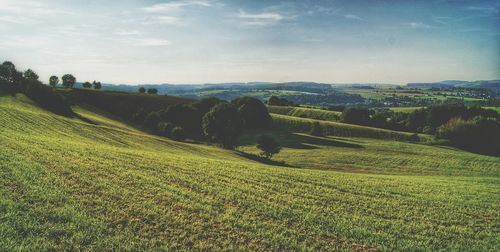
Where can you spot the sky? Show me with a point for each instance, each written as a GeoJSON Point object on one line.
{"type": "Point", "coordinates": [214, 41]}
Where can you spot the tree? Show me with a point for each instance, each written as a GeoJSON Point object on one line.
{"type": "Point", "coordinates": [30, 75]}
{"type": "Point", "coordinates": [53, 81]}
{"type": "Point", "coordinates": [222, 124]}
{"type": "Point", "coordinates": [276, 101]}
{"type": "Point", "coordinates": [142, 90]}
{"type": "Point", "coordinates": [165, 129]}
{"type": "Point", "coordinates": [268, 146]}
{"type": "Point", "coordinates": [152, 91]}
{"type": "Point", "coordinates": [9, 77]}
{"type": "Point", "coordinates": [87, 85]}
{"type": "Point", "coordinates": [152, 120]}
{"type": "Point", "coordinates": [68, 81]}
{"type": "Point", "coordinates": [97, 84]}
{"type": "Point", "coordinates": [356, 116]}
{"type": "Point", "coordinates": [178, 134]}
{"type": "Point", "coordinates": [254, 112]}
{"type": "Point", "coordinates": [316, 129]}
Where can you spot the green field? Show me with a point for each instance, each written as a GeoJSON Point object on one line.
{"type": "Point", "coordinates": [66, 184]}
{"type": "Point", "coordinates": [312, 113]}
{"type": "Point", "coordinates": [297, 124]}
{"type": "Point", "coordinates": [497, 109]}
{"type": "Point", "coordinates": [404, 109]}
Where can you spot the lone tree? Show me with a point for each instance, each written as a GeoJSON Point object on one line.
{"type": "Point", "coordinates": [268, 146]}
{"type": "Point", "coordinates": [222, 124]}
{"type": "Point", "coordinates": [142, 90]}
{"type": "Point", "coordinates": [53, 81]}
{"type": "Point", "coordinates": [30, 75]}
{"type": "Point", "coordinates": [97, 84]}
{"type": "Point", "coordinates": [87, 84]}
{"type": "Point", "coordinates": [68, 81]}
{"type": "Point", "coordinates": [152, 91]}
{"type": "Point", "coordinates": [316, 129]}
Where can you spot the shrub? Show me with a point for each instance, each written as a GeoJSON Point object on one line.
{"type": "Point", "coordinates": [268, 146]}
{"type": "Point", "coordinates": [480, 134]}
{"type": "Point", "coordinates": [178, 134]}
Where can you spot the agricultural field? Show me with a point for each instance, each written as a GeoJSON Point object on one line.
{"type": "Point", "coordinates": [303, 125]}
{"type": "Point", "coordinates": [312, 113]}
{"type": "Point", "coordinates": [404, 109]}
{"type": "Point", "coordinates": [99, 183]}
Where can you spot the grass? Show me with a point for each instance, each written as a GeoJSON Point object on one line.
{"type": "Point", "coordinates": [69, 185]}
{"type": "Point", "coordinates": [312, 113]}
{"type": "Point", "coordinates": [404, 109]}
{"type": "Point", "coordinates": [297, 124]}
{"type": "Point", "coordinates": [497, 109]}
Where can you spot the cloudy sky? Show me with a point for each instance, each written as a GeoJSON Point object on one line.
{"type": "Point", "coordinates": [201, 41]}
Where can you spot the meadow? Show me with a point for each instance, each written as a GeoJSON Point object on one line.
{"type": "Point", "coordinates": [312, 113]}
{"type": "Point", "coordinates": [68, 184]}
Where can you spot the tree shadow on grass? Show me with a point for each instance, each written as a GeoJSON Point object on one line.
{"type": "Point", "coordinates": [299, 141]}
{"type": "Point", "coordinates": [262, 160]}
{"type": "Point", "coordinates": [84, 119]}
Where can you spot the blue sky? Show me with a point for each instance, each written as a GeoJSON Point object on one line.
{"type": "Point", "coordinates": [202, 41]}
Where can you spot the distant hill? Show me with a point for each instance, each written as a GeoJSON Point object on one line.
{"type": "Point", "coordinates": [486, 84]}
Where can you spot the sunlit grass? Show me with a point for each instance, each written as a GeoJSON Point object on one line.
{"type": "Point", "coordinates": [70, 185]}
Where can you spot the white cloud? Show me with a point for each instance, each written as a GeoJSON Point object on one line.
{"type": "Point", "coordinates": [418, 25]}
{"type": "Point", "coordinates": [352, 17]}
{"type": "Point", "coordinates": [170, 20]}
{"type": "Point", "coordinates": [28, 12]}
{"type": "Point", "coordinates": [171, 6]}
{"type": "Point", "coordinates": [260, 19]}
{"type": "Point", "coordinates": [126, 32]}
{"type": "Point", "coordinates": [147, 42]}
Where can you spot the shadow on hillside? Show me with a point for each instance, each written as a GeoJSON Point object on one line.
{"type": "Point", "coordinates": [84, 119]}
{"type": "Point", "coordinates": [262, 160]}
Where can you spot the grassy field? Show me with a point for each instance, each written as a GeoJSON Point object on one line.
{"type": "Point", "coordinates": [70, 185]}
{"type": "Point", "coordinates": [404, 109]}
{"type": "Point", "coordinates": [312, 113]}
{"type": "Point", "coordinates": [497, 109]}
{"type": "Point", "coordinates": [297, 124]}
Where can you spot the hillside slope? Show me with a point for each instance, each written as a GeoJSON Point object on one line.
{"type": "Point", "coordinates": [68, 184]}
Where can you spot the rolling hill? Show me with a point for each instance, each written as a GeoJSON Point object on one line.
{"type": "Point", "coordinates": [66, 184]}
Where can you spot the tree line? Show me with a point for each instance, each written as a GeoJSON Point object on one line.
{"type": "Point", "coordinates": [211, 119]}
{"type": "Point", "coordinates": [13, 81]}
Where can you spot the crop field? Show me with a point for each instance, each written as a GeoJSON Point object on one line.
{"type": "Point", "coordinates": [66, 184]}
{"type": "Point", "coordinates": [297, 124]}
{"type": "Point", "coordinates": [404, 109]}
{"type": "Point", "coordinates": [312, 113]}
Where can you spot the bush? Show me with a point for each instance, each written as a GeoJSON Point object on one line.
{"type": "Point", "coordinates": [178, 134]}
{"type": "Point", "coordinates": [316, 129]}
{"type": "Point", "coordinates": [268, 146]}
{"type": "Point", "coordinates": [222, 124]}
{"type": "Point", "coordinates": [480, 134]}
